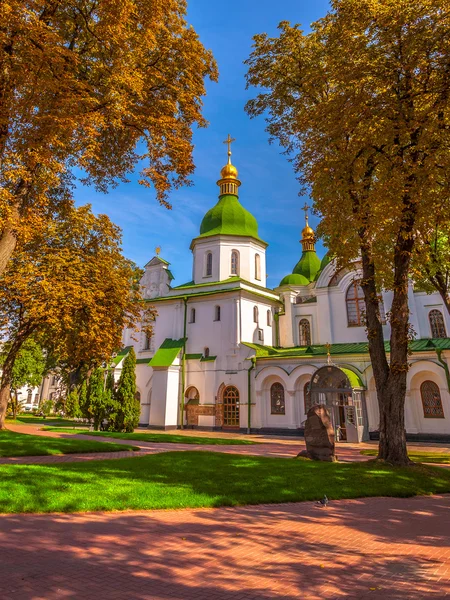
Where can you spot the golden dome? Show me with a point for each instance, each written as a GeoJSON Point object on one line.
{"type": "Point", "coordinates": [308, 232]}
{"type": "Point", "coordinates": [229, 171]}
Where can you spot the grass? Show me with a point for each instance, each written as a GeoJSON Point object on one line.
{"type": "Point", "coordinates": [53, 421]}
{"type": "Point", "coordinates": [418, 456]}
{"type": "Point", "coordinates": [203, 479]}
{"type": "Point", "coordinates": [21, 444]}
{"type": "Point", "coordinates": [168, 438]}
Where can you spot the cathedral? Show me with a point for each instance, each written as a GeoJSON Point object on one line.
{"type": "Point", "coordinates": [228, 353]}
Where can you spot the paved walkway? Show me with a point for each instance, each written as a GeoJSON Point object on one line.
{"type": "Point", "coordinates": [369, 549]}
{"type": "Point", "coordinates": [266, 446]}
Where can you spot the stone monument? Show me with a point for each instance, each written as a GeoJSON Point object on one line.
{"type": "Point", "coordinates": [319, 435]}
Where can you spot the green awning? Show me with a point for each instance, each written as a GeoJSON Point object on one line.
{"type": "Point", "coordinates": [354, 379]}
{"type": "Point", "coordinates": [167, 353]}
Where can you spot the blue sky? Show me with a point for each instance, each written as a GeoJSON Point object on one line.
{"type": "Point", "coordinates": [269, 187]}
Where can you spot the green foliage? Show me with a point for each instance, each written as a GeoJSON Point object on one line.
{"type": "Point", "coordinates": [73, 405]}
{"type": "Point", "coordinates": [127, 406]}
{"type": "Point", "coordinates": [100, 401]}
{"type": "Point", "coordinates": [29, 366]}
{"type": "Point", "coordinates": [83, 400]}
{"type": "Point", "coordinates": [46, 406]}
{"type": "Point", "coordinates": [204, 479]}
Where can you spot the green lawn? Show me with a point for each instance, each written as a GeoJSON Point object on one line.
{"type": "Point", "coordinates": [53, 421]}
{"type": "Point", "coordinates": [418, 456]}
{"type": "Point", "coordinates": [168, 438]}
{"type": "Point", "coordinates": [21, 444]}
{"type": "Point", "coordinates": [203, 479]}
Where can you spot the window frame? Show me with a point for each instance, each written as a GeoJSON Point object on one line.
{"type": "Point", "coordinates": [273, 398]}
{"type": "Point", "coordinates": [434, 389]}
{"type": "Point", "coordinates": [208, 264]}
{"type": "Point", "coordinates": [217, 313]}
{"type": "Point", "coordinates": [234, 264]}
{"type": "Point", "coordinates": [256, 315]}
{"type": "Point", "coordinates": [434, 326]}
{"type": "Point", "coordinates": [303, 321]}
{"type": "Point", "coordinates": [258, 267]}
{"type": "Point", "coordinates": [192, 316]}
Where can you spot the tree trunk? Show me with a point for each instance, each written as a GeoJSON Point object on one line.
{"type": "Point", "coordinates": [4, 398]}
{"type": "Point", "coordinates": [440, 283]}
{"type": "Point", "coordinates": [8, 243]}
{"type": "Point", "coordinates": [390, 379]}
{"type": "Point", "coordinates": [15, 404]}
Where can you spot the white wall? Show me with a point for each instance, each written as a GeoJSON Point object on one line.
{"type": "Point", "coordinates": [221, 248]}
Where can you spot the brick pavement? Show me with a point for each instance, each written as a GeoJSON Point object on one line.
{"type": "Point", "coordinates": [369, 549]}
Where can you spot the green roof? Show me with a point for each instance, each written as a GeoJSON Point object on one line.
{"type": "Point", "coordinates": [294, 279]}
{"type": "Point", "coordinates": [354, 379]}
{"type": "Point", "coordinates": [422, 345]}
{"type": "Point", "coordinates": [121, 355]}
{"type": "Point", "coordinates": [229, 217]}
{"type": "Point", "coordinates": [308, 265]}
{"type": "Point", "coordinates": [167, 352]}
{"type": "Point", "coordinates": [324, 262]}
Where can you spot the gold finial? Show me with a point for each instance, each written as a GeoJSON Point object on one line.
{"type": "Point", "coordinates": [228, 181]}
{"type": "Point", "coordinates": [308, 237]}
{"type": "Point", "coordinates": [158, 250]}
{"type": "Point", "coordinates": [229, 141]}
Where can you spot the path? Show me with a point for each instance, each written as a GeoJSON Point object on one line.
{"type": "Point", "coordinates": [371, 549]}
{"type": "Point", "coordinates": [277, 447]}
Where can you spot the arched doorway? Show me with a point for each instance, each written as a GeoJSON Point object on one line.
{"type": "Point", "coordinates": [191, 403]}
{"type": "Point", "coordinates": [342, 392]}
{"type": "Point", "coordinates": [231, 407]}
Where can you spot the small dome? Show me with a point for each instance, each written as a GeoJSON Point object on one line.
{"type": "Point", "coordinates": [229, 171]}
{"type": "Point", "coordinates": [229, 217]}
{"type": "Point", "coordinates": [308, 265]}
{"type": "Point", "coordinates": [308, 233]}
{"type": "Point", "coordinates": [294, 279]}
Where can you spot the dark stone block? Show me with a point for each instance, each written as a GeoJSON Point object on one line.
{"type": "Point", "coordinates": [319, 435]}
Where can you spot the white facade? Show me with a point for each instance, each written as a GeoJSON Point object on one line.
{"type": "Point", "coordinates": [225, 335]}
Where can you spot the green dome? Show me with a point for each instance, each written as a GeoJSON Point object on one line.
{"type": "Point", "coordinates": [294, 279]}
{"type": "Point", "coordinates": [229, 217]}
{"type": "Point", "coordinates": [325, 261]}
{"type": "Point", "coordinates": [308, 265]}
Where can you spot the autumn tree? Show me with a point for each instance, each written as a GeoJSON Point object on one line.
{"type": "Point", "coordinates": [128, 408]}
{"type": "Point", "coordinates": [72, 290]}
{"type": "Point", "coordinates": [96, 86]}
{"type": "Point", "coordinates": [431, 264]}
{"type": "Point", "coordinates": [361, 105]}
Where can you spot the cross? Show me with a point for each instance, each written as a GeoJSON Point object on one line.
{"type": "Point", "coordinates": [158, 250]}
{"type": "Point", "coordinates": [306, 208]}
{"type": "Point", "coordinates": [229, 141]}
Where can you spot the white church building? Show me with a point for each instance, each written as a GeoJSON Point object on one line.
{"type": "Point", "coordinates": [229, 353]}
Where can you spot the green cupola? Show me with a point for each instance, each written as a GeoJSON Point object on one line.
{"type": "Point", "coordinates": [228, 216]}
{"type": "Point", "coordinates": [307, 268]}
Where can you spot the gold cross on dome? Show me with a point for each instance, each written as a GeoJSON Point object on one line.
{"type": "Point", "coordinates": [306, 208]}
{"type": "Point", "coordinates": [229, 141]}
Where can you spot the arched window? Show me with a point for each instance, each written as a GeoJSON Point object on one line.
{"type": "Point", "coordinates": [356, 307]}
{"type": "Point", "coordinates": [231, 407]}
{"type": "Point", "coordinates": [437, 324]}
{"type": "Point", "coordinates": [277, 406]}
{"type": "Point", "coordinates": [307, 397]}
{"type": "Point", "coordinates": [355, 304]}
{"type": "Point", "coordinates": [147, 341]}
{"type": "Point", "coordinates": [255, 314]}
{"type": "Point", "coordinates": [235, 262]}
{"type": "Point", "coordinates": [208, 264]}
{"type": "Point", "coordinates": [192, 315]}
{"type": "Point", "coordinates": [206, 352]}
{"type": "Point", "coordinates": [304, 330]}
{"type": "Point", "coordinates": [431, 400]}
{"type": "Point", "coordinates": [30, 397]}
{"type": "Point", "coordinates": [269, 318]}
{"type": "Point", "coordinates": [257, 266]}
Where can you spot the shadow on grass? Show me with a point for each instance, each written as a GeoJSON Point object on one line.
{"type": "Point", "coordinates": [23, 444]}
{"type": "Point", "coordinates": [203, 479]}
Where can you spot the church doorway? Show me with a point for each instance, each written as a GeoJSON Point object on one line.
{"type": "Point", "coordinates": [231, 407]}
{"type": "Point", "coordinates": [342, 392]}
{"type": "Point", "coordinates": [191, 406]}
